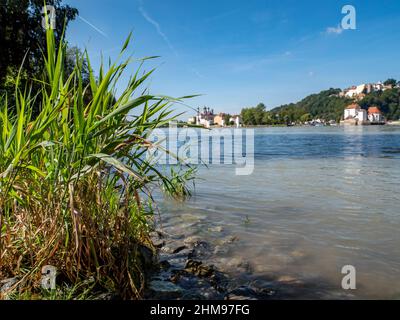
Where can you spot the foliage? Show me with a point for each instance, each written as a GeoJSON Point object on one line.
{"type": "Point", "coordinates": [22, 36]}
{"type": "Point", "coordinates": [179, 178]}
{"type": "Point", "coordinates": [327, 105]}
{"type": "Point", "coordinates": [253, 116]}
{"type": "Point", "coordinates": [227, 118]}
{"type": "Point", "coordinates": [390, 82]}
{"type": "Point", "coordinates": [388, 102]}
{"type": "Point", "coordinates": [74, 182]}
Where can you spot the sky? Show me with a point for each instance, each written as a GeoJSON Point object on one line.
{"type": "Point", "coordinates": [238, 53]}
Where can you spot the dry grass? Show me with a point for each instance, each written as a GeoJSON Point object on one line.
{"type": "Point", "coordinates": [74, 182]}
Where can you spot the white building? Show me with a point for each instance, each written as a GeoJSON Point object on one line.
{"type": "Point", "coordinates": [192, 120]}
{"type": "Point", "coordinates": [356, 90]}
{"type": "Point", "coordinates": [236, 120]}
{"type": "Point", "coordinates": [375, 115]}
{"type": "Point", "coordinates": [356, 114]}
{"type": "Point", "coordinates": [378, 86]}
{"type": "Point", "coordinates": [205, 118]}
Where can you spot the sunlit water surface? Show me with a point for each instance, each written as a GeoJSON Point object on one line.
{"type": "Point", "coordinates": [318, 199]}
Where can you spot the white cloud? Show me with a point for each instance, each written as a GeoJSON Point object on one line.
{"type": "Point", "coordinates": [333, 30]}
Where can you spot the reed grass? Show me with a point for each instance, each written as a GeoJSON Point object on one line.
{"type": "Point", "coordinates": [74, 182]}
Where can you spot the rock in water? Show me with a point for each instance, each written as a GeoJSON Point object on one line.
{"type": "Point", "coordinates": [164, 290]}
{"type": "Point", "coordinates": [197, 268]}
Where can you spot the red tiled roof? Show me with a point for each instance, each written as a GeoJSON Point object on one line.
{"type": "Point", "coordinates": [353, 106]}
{"type": "Point", "coordinates": [373, 109]}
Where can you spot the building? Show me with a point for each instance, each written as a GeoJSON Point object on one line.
{"type": "Point", "coordinates": [236, 120]}
{"type": "Point", "coordinates": [356, 91]}
{"type": "Point", "coordinates": [205, 118]}
{"type": "Point", "coordinates": [219, 119]}
{"type": "Point", "coordinates": [375, 115]}
{"type": "Point", "coordinates": [192, 120]}
{"type": "Point", "coordinates": [378, 86]}
{"type": "Point", "coordinates": [355, 115]}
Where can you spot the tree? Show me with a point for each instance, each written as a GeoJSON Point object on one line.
{"type": "Point", "coordinates": [248, 116]}
{"type": "Point", "coordinates": [227, 117]}
{"type": "Point", "coordinates": [21, 33]}
{"type": "Point", "coordinates": [259, 113]}
{"type": "Point", "coordinates": [254, 116]}
{"type": "Point", "coordinates": [390, 82]}
{"type": "Point", "coordinates": [306, 117]}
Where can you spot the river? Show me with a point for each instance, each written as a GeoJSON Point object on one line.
{"type": "Point", "coordinates": [319, 198]}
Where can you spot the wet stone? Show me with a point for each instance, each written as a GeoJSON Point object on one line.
{"type": "Point", "coordinates": [197, 268]}
{"type": "Point", "coordinates": [191, 241]}
{"type": "Point", "coordinates": [147, 256]}
{"type": "Point", "coordinates": [216, 229]}
{"type": "Point", "coordinates": [173, 247]}
{"type": "Point", "coordinates": [164, 264]}
{"type": "Point", "coordinates": [221, 250]}
{"type": "Point", "coordinates": [179, 249]}
{"type": "Point", "coordinates": [164, 290]}
{"type": "Point", "coordinates": [201, 250]}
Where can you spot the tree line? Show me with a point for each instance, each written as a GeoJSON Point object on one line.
{"type": "Point", "coordinates": [327, 105]}
{"type": "Point", "coordinates": [23, 42]}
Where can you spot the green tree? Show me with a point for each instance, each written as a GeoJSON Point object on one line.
{"type": "Point", "coordinates": [306, 117]}
{"type": "Point", "coordinates": [259, 113]}
{"type": "Point", "coordinates": [22, 35]}
{"type": "Point", "coordinates": [248, 117]}
{"type": "Point", "coordinates": [390, 82]}
{"type": "Point", "coordinates": [227, 117]}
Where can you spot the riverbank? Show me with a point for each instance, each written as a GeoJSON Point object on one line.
{"type": "Point", "coordinates": [183, 273]}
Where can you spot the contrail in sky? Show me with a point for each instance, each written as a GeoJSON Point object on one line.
{"type": "Point", "coordinates": [93, 26]}
{"type": "Point", "coordinates": [158, 28]}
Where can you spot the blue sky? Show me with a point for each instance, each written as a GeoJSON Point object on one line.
{"type": "Point", "coordinates": [239, 53]}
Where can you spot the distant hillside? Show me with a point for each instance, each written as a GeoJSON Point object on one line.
{"type": "Point", "coordinates": [326, 105]}
{"type": "Point", "coordinates": [388, 102]}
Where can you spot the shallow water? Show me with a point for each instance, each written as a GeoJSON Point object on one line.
{"type": "Point", "coordinates": [318, 199]}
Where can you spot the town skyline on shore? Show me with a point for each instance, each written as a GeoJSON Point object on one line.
{"type": "Point", "coordinates": [239, 54]}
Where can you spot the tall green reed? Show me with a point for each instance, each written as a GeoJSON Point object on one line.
{"type": "Point", "coordinates": [74, 181]}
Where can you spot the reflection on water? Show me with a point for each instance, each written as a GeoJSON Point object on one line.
{"type": "Point", "coordinates": [319, 199]}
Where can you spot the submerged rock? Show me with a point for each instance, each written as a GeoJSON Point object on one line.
{"type": "Point", "coordinates": [173, 247]}
{"type": "Point", "coordinates": [197, 268]}
{"type": "Point", "coordinates": [218, 250]}
{"type": "Point", "coordinates": [164, 290]}
{"type": "Point", "coordinates": [242, 293]}
{"type": "Point", "coordinates": [191, 241]}
{"type": "Point", "coordinates": [201, 250]}
{"type": "Point", "coordinates": [250, 292]}
{"type": "Point", "coordinates": [164, 264]}
{"type": "Point", "coordinates": [236, 265]}
{"type": "Point", "coordinates": [216, 229]}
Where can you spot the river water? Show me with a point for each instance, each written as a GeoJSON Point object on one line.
{"type": "Point", "coordinates": [318, 199]}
